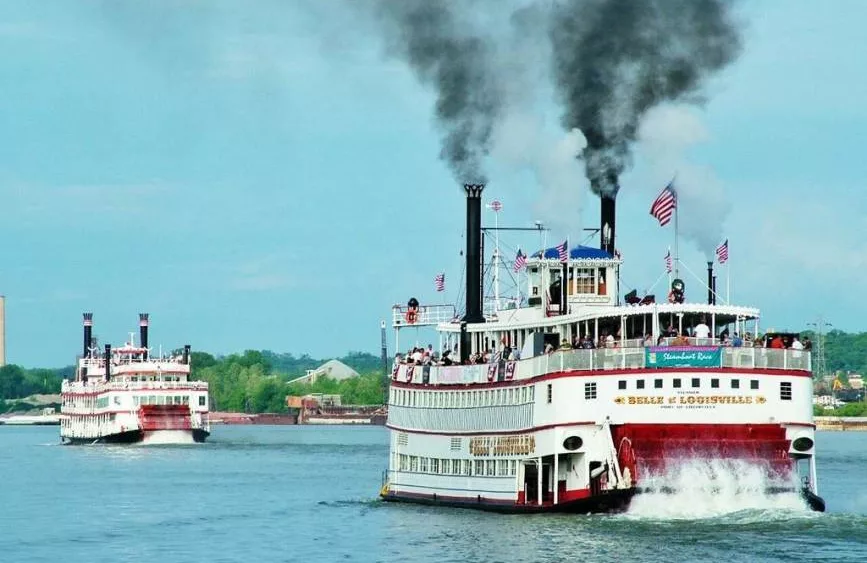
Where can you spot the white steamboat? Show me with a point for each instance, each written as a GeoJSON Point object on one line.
{"type": "Point", "coordinates": [126, 395]}
{"type": "Point", "coordinates": [566, 429]}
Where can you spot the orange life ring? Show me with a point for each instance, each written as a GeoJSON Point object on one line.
{"type": "Point", "coordinates": [411, 316]}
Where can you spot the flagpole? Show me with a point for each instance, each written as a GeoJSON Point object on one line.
{"type": "Point", "coordinates": [676, 209]}
{"type": "Point", "coordinates": [728, 283]}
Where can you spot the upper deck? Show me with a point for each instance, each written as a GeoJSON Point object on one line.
{"type": "Point", "coordinates": [694, 358]}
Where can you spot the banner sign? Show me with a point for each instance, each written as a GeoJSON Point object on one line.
{"type": "Point", "coordinates": [683, 357]}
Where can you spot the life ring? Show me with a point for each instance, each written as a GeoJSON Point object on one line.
{"type": "Point", "coordinates": [411, 316]}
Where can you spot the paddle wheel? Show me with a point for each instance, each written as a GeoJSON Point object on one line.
{"type": "Point", "coordinates": [649, 449]}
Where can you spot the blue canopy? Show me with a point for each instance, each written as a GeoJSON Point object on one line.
{"type": "Point", "coordinates": [576, 253]}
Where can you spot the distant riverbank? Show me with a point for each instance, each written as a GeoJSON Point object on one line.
{"type": "Point", "coordinates": [841, 423]}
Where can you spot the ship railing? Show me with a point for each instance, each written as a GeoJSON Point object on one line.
{"type": "Point", "coordinates": [135, 385]}
{"type": "Point", "coordinates": [423, 315]}
{"type": "Point", "coordinates": [604, 359]}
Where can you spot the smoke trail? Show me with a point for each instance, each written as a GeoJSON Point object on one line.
{"type": "Point", "coordinates": [443, 50]}
{"type": "Point", "coordinates": [616, 59]}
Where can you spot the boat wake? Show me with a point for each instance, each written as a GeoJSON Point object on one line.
{"type": "Point", "coordinates": [699, 488]}
{"type": "Point", "coordinates": [167, 437]}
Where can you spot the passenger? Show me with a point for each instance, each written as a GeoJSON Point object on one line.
{"type": "Point", "coordinates": [587, 343]}
{"type": "Point", "coordinates": [609, 341]}
{"type": "Point", "coordinates": [737, 342]}
{"type": "Point", "coordinates": [661, 340]}
{"type": "Point", "coordinates": [701, 330]}
{"type": "Point", "coordinates": [417, 356]}
{"type": "Point", "coordinates": [648, 340]}
{"type": "Point", "coordinates": [548, 348]}
{"type": "Point", "coordinates": [797, 344]}
{"type": "Point", "coordinates": [564, 345]}
{"type": "Point", "coordinates": [808, 344]}
{"type": "Point", "coordinates": [680, 340]}
{"type": "Point", "coordinates": [515, 355]}
{"type": "Point", "coordinates": [447, 360]}
{"type": "Point", "coordinates": [758, 342]}
{"type": "Point", "coordinates": [777, 342]}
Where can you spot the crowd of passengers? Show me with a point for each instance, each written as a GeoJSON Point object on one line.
{"type": "Point", "coordinates": [699, 334]}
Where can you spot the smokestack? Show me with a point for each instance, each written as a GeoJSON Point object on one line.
{"type": "Point", "coordinates": [88, 333]}
{"type": "Point", "coordinates": [108, 362]}
{"type": "Point", "coordinates": [186, 359]}
{"type": "Point", "coordinates": [143, 332]}
{"type": "Point", "coordinates": [710, 284]}
{"type": "Point", "coordinates": [714, 290]}
{"type": "Point", "coordinates": [607, 224]}
{"type": "Point", "coordinates": [564, 287]}
{"type": "Point", "coordinates": [474, 254]}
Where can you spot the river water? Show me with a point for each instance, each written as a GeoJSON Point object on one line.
{"type": "Point", "coordinates": [262, 494]}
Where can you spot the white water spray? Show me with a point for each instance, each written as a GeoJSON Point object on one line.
{"type": "Point", "coordinates": [163, 437]}
{"type": "Point", "coordinates": [699, 488]}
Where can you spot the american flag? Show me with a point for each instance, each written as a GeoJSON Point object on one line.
{"type": "Point", "coordinates": [668, 262]}
{"type": "Point", "coordinates": [664, 205]}
{"type": "Point", "coordinates": [520, 261]}
{"type": "Point", "coordinates": [496, 205]}
{"type": "Point", "coordinates": [440, 282]}
{"type": "Point", "coordinates": [722, 252]}
{"type": "Point", "coordinates": [562, 251]}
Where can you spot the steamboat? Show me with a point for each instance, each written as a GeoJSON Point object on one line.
{"type": "Point", "coordinates": [574, 401]}
{"type": "Point", "coordinates": [126, 395]}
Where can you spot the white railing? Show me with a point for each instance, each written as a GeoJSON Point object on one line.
{"type": "Point", "coordinates": [596, 359]}
{"type": "Point", "coordinates": [424, 315]}
{"type": "Point", "coordinates": [99, 386]}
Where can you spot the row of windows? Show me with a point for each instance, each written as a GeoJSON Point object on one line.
{"type": "Point", "coordinates": [463, 399]}
{"type": "Point", "coordinates": [695, 382]}
{"type": "Point", "coordinates": [590, 391]}
{"type": "Point", "coordinates": [466, 467]}
{"type": "Point", "coordinates": [165, 400]}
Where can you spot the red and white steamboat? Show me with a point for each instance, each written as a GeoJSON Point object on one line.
{"type": "Point", "coordinates": [548, 426]}
{"type": "Point", "coordinates": [126, 395]}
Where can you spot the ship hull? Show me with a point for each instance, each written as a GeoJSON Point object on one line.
{"type": "Point", "coordinates": [609, 502]}
{"type": "Point", "coordinates": [139, 436]}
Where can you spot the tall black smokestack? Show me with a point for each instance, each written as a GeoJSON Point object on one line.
{"type": "Point", "coordinates": [143, 332]}
{"type": "Point", "coordinates": [606, 233]}
{"type": "Point", "coordinates": [88, 333]}
{"type": "Point", "coordinates": [714, 290]}
{"type": "Point", "coordinates": [108, 362]}
{"type": "Point", "coordinates": [474, 253]}
{"type": "Point", "coordinates": [711, 298]}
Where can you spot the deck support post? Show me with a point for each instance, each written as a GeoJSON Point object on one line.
{"type": "Point", "coordinates": [539, 481]}
{"type": "Point", "coordinates": [556, 479]}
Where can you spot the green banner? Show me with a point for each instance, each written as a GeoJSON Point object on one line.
{"type": "Point", "coordinates": [683, 357]}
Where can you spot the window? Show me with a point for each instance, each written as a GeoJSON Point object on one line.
{"type": "Point", "coordinates": [512, 465]}
{"type": "Point", "coordinates": [754, 384]}
{"type": "Point", "coordinates": [456, 445]}
{"type": "Point", "coordinates": [657, 383]}
{"type": "Point", "coordinates": [676, 383]}
{"type": "Point", "coordinates": [434, 465]}
{"type": "Point", "coordinates": [492, 468]}
{"type": "Point", "coordinates": [714, 383]}
{"type": "Point", "coordinates": [696, 382]}
{"type": "Point", "coordinates": [736, 383]}
{"type": "Point", "coordinates": [639, 384]}
{"type": "Point", "coordinates": [550, 392]}
{"type": "Point", "coordinates": [404, 462]}
{"type": "Point", "coordinates": [590, 390]}
{"type": "Point", "coordinates": [502, 467]}
{"type": "Point", "coordinates": [202, 400]}
{"type": "Point", "coordinates": [786, 390]}
{"type": "Point", "coordinates": [413, 463]}
{"type": "Point", "coordinates": [468, 467]}
{"type": "Point", "coordinates": [479, 469]}
{"type": "Point", "coordinates": [621, 384]}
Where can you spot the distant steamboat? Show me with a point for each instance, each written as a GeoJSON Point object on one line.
{"type": "Point", "coordinates": [543, 427]}
{"type": "Point", "coordinates": [126, 395]}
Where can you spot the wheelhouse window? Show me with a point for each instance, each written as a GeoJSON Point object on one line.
{"type": "Point", "coordinates": [736, 383]}
{"type": "Point", "coordinates": [550, 392]}
{"type": "Point", "coordinates": [639, 384]}
{"type": "Point", "coordinates": [676, 383]}
{"type": "Point", "coordinates": [621, 384]}
{"type": "Point", "coordinates": [786, 390]}
{"type": "Point", "coordinates": [590, 390]}
{"type": "Point", "coordinates": [696, 382]}
{"type": "Point", "coordinates": [754, 384]}
{"type": "Point", "coordinates": [714, 383]}
{"type": "Point", "coordinates": [657, 384]}
{"type": "Point", "coordinates": [585, 281]}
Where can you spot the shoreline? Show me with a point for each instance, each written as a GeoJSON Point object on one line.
{"type": "Point", "coordinates": [841, 423]}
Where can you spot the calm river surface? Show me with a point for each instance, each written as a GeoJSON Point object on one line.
{"type": "Point", "coordinates": [261, 494]}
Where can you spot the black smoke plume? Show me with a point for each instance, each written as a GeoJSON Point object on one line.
{"type": "Point", "coordinates": [613, 60]}
{"type": "Point", "coordinates": [443, 50]}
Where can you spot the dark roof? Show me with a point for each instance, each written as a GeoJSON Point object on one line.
{"type": "Point", "coordinates": [576, 253]}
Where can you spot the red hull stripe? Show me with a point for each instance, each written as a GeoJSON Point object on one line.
{"type": "Point", "coordinates": [605, 373]}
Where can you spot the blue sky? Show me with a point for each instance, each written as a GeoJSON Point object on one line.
{"type": "Point", "coordinates": [258, 175]}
